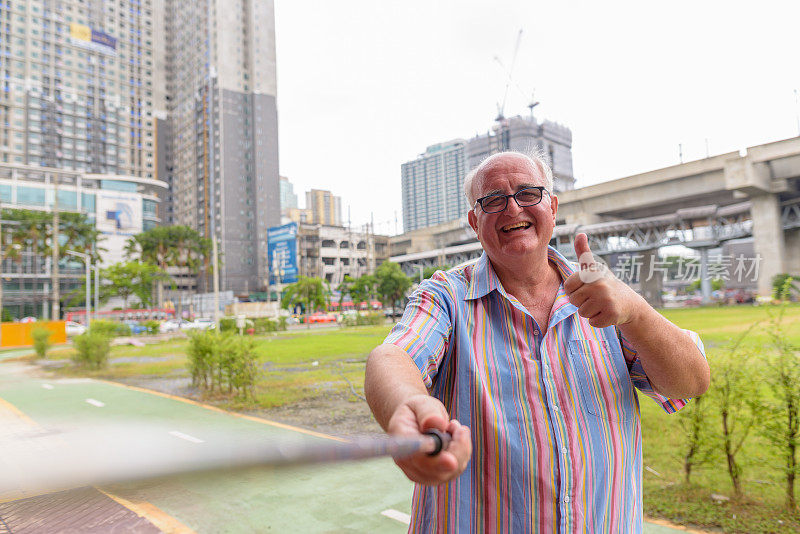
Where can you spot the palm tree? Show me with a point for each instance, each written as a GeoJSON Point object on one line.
{"type": "Point", "coordinates": [169, 246]}
{"type": "Point", "coordinates": [34, 231]}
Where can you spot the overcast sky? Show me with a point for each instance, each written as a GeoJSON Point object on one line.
{"type": "Point", "coordinates": [365, 85]}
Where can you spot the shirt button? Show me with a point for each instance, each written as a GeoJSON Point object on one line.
{"type": "Point", "coordinates": [566, 499]}
{"type": "Point", "coordinates": [535, 332]}
{"type": "Point", "coordinates": [555, 407]}
{"type": "Point", "coordinates": [563, 450]}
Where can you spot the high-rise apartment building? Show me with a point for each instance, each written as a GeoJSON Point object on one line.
{"type": "Point", "coordinates": [323, 207]}
{"type": "Point", "coordinates": [77, 85]}
{"type": "Point", "coordinates": [432, 184]}
{"type": "Point", "coordinates": [218, 115]}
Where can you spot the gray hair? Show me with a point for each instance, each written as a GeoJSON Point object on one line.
{"type": "Point", "coordinates": [535, 159]}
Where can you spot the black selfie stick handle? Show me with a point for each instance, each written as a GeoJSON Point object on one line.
{"type": "Point", "coordinates": [441, 440]}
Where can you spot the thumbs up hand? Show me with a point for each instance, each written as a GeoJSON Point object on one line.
{"type": "Point", "coordinates": [597, 293]}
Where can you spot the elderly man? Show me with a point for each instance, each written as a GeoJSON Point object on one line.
{"type": "Point", "coordinates": [530, 362]}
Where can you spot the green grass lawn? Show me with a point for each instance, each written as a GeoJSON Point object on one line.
{"type": "Point", "coordinates": [305, 363]}
{"type": "Point", "coordinates": [295, 365]}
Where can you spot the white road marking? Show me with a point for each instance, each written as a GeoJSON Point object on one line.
{"type": "Point", "coordinates": [47, 386]}
{"type": "Point", "coordinates": [94, 402]}
{"type": "Point", "coordinates": [187, 437]}
{"type": "Point", "coordinates": [397, 516]}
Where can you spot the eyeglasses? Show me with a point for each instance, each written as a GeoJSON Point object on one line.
{"type": "Point", "coordinates": [530, 196]}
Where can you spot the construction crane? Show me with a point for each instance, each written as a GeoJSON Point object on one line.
{"type": "Point", "coordinates": [532, 103]}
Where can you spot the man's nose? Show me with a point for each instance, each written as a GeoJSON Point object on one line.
{"type": "Point", "coordinates": [513, 206]}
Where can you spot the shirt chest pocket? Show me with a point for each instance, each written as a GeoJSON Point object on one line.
{"type": "Point", "coordinates": [602, 378]}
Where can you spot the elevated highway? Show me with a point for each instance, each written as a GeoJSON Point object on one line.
{"type": "Point", "coordinates": [700, 204]}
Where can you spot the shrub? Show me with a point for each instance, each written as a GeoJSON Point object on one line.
{"type": "Point", "coordinates": [153, 326]}
{"type": "Point", "coordinates": [92, 348]}
{"type": "Point", "coordinates": [110, 328]}
{"type": "Point", "coordinates": [41, 340]}
{"type": "Point", "coordinates": [227, 324]}
{"type": "Point", "coordinates": [372, 318]}
{"type": "Point", "coordinates": [222, 363]}
{"type": "Point", "coordinates": [202, 351]}
{"type": "Point", "coordinates": [264, 325]}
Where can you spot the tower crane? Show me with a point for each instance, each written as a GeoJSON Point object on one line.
{"type": "Point", "coordinates": [532, 103]}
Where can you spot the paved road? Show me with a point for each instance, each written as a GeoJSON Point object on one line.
{"type": "Point", "coordinates": [368, 496]}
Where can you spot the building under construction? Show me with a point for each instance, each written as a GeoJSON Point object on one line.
{"type": "Point", "coordinates": [432, 184]}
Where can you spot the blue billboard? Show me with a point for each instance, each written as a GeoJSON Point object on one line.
{"type": "Point", "coordinates": [282, 254]}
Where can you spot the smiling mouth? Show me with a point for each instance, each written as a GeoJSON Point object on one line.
{"type": "Point", "coordinates": [516, 226]}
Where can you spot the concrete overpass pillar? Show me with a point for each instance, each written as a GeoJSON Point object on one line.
{"type": "Point", "coordinates": [705, 281]}
{"type": "Point", "coordinates": [768, 239]}
{"type": "Point", "coordinates": [651, 279]}
{"type": "Point", "coordinates": [792, 260]}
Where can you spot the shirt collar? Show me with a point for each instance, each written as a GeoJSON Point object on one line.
{"type": "Point", "coordinates": [484, 280]}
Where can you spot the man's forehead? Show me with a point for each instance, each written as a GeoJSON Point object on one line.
{"type": "Point", "coordinates": [515, 168]}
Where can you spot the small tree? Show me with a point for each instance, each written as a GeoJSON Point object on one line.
{"type": "Point", "coordinates": [311, 293]}
{"type": "Point", "coordinates": [430, 271]}
{"type": "Point", "coordinates": [392, 283]}
{"type": "Point", "coordinates": [41, 341]}
{"type": "Point", "coordinates": [782, 408]}
{"type": "Point", "coordinates": [363, 289]}
{"type": "Point", "coordinates": [132, 278]}
{"type": "Point", "coordinates": [734, 392]}
{"type": "Point", "coordinates": [344, 289]}
{"type": "Point", "coordinates": [693, 420]}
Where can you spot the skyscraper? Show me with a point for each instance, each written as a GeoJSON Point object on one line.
{"type": "Point", "coordinates": [432, 184]}
{"type": "Point", "coordinates": [220, 150]}
{"type": "Point", "coordinates": [77, 85]}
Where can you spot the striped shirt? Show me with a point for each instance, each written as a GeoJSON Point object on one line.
{"type": "Point", "coordinates": [553, 414]}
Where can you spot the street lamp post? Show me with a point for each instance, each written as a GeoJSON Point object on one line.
{"type": "Point", "coordinates": [87, 260]}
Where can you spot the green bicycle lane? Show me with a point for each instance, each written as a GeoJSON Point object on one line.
{"type": "Point", "coordinates": [365, 496]}
{"type": "Point", "coordinates": [361, 496]}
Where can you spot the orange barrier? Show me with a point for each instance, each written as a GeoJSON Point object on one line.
{"type": "Point", "coordinates": [19, 334]}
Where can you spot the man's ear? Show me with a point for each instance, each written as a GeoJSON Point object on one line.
{"type": "Point", "coordinates": [473, 220]}
{"type": "Point", "coordinates": [554, 206]}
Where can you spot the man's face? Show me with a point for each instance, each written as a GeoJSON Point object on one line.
{"type": "Point", "coordinates": [514, 233]}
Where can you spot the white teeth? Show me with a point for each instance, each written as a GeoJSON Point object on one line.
{"type": "Point", "coordinates": [516, 225]}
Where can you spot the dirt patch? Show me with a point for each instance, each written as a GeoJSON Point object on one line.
{"type": "Point", "coordinates": [338, 414]}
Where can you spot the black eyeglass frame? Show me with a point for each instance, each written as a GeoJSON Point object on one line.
{"type": "Point", "coordinates": [541, 188]}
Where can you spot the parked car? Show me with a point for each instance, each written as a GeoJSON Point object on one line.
{"type": "Point", "coordinates": [135, 327]}
{"type": "Point", "coordinates": [74, 329]}
{"type": "Point", "coordinates": [321, 317]}
{"type": "Point", "coordinates": [170, 325]}
{"type": "Point", "coordinates": [397, 312]}
{"type": "Point", "coordinates": [198, 324]}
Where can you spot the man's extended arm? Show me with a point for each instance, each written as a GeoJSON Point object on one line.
{"type": "Point", "coordinates": [674, 365]}
{"type": "Point", "coordinates": [401, 405]}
